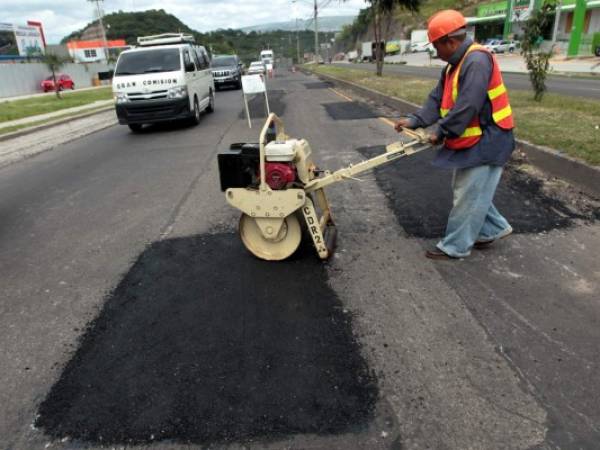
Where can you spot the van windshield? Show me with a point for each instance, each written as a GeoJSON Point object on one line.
{"type": "Point", "coordinates": [149, 61]}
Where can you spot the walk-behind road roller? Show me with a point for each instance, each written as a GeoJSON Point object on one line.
{"type": "Point", "coordinates": [275, 181]}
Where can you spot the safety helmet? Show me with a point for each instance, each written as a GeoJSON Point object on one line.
{"type": "Point", "coordinates": [443, 23]}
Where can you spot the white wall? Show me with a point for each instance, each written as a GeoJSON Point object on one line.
{"type": "Point", "coordinates": [22, 79]}
{"type": "Point", "coordinates": [79, 55]}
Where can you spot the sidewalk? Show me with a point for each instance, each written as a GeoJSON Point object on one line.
{"type": "Point", "coordinates": [60, 113]}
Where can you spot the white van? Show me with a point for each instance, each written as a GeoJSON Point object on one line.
{"type": "Point", "coordinates": [266, 56]}
{"type": "Point", "coordinates": [166, 77]}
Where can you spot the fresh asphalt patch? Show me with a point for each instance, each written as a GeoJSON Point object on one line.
{"type": "Point", "coordinates": [349, 111]}
{"type": "Point", "coordinates": [318, 85]}
{"type": "Point", "coordinates": [421, 197]}
{"type": "Point", "coordinates": [203, 343]}
{"type": "Point", "coordinates": [258, 108]}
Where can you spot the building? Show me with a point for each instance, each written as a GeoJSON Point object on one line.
{"type": "Point", "coordinates": [21, 41]}
{"type": "Point", "coordinates": [93, 51]}
{"type": "Point", "coordinates": [578, 20]}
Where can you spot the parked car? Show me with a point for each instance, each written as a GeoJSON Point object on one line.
{"type": "Point", "coordinates": [62, 80]}
{"type": "Point", "coordinates": [227, 71]}
{"type": "Point", "coordinates": [417, 47]}
{"type": "Point", "coordinates": [502, 46]}
{"type": "Point", "coordinates": [257, 67]}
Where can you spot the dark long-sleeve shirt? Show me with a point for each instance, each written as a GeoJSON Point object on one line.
{"type": "Point", "coordinates": [496, 145]}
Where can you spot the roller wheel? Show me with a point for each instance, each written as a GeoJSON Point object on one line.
{"type": "Point", "coordinates": [281, 247]}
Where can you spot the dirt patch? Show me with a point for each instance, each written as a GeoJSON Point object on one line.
{"type": "Point", "coordinates": [421, 197]}
{"type": "Point", "coordinates": [349, 111]}
{"type": "Point", "coordinates": [201, 343]}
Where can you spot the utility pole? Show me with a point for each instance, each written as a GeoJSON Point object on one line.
{"type": "Point", "coordinates": [102, 31]}
{"type": "Point", "coordinates": [297, 43]}
{"type": "Point", "coordinates": [316, 34]}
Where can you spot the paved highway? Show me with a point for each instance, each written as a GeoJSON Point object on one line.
{"type": "Point", "coordinates": [580, 87]}
{"type": "Point", "coordinates": [131, 314]}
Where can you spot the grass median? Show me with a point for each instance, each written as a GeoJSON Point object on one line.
{"type": "Point", "coordinates": [18, 109]}
{"type": "Point", "coordinates": [565, 123]}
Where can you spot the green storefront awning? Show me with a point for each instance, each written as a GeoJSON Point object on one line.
{"type": "Point", "coordinates": [495, 18]}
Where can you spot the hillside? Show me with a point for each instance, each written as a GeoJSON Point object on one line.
{"type": "Point", "coordinates": [130, 25]}
{"type": "Point", "coordinates": [402, 22]}
{"type": "Point", "coordinates": [327, 23]}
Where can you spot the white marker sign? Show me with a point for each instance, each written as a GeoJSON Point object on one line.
{"type": "Point", "coordinates": [251, 85]}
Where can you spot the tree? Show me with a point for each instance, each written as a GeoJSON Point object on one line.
{"type": "Point", "coordinates": [380, 10]}
{"type": "Point", "coordinates": [54, 62]}
{"type": "Point", "coordinates": [538, 61]}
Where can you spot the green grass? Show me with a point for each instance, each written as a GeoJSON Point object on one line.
{"type": "Point", "coordinates": [14, 128]}
{"type": "Point", "coordinates": [568, 124]}
{"type": "Point", "coordinates": [17, 109]}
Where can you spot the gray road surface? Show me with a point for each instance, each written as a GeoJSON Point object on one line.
{"type": "Point", "coordinates": [495, 351]}
{"type": "Point", "coordinates": [578, 87]}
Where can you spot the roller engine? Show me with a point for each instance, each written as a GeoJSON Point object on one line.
{"type": "Point", "coordinates": [239, 167]}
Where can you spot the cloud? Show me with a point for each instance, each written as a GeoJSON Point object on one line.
{"type": "Point", "coordinates": [66, 16]}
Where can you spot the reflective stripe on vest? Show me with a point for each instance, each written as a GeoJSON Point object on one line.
{"type": "Point", "coordinates": [501, 110]}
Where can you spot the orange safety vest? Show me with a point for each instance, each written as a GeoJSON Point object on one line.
{"type": "Point", "coordinates": [501, 111]}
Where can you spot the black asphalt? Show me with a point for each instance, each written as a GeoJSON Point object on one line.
{"type": "Point", "coordinates": [203, 343]}
{"type": "Point", "coordinates": [574, 86]}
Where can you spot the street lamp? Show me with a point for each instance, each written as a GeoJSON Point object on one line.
{"type": "Point", "coordinates": [102, 31]}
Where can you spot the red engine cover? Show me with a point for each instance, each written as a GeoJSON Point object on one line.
{"type": "Point", "coordinates": [278, 175]}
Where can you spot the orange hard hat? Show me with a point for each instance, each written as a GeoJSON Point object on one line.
{"type": "Point", "coordinates": [443, 23]}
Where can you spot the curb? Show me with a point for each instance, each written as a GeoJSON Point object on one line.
{"type": "Point", "coordinates": [554, 162]}
{"type": "Point", "coordinates": [29, 130]}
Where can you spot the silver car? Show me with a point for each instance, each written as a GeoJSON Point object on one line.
{"type": "Point", "coordinates": [257, 68]}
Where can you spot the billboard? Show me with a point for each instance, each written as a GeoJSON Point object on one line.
{"type": "Point", "coordinates": [521, 10]}
{"type": "Point", "coordinates": [20, 40]}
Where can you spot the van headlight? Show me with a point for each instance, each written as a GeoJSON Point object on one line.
{"type": "Point", "coordinates": [120, 97]}
{"type": "Point", "coordinates": [177, 92]}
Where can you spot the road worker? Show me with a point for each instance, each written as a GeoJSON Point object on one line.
{"type": "Point", "coordinates": [473, 121]}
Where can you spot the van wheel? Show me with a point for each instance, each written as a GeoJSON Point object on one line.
{"type": "Point", "coordinates": [597, 52]}
{"type": "Point", "coordinates": [196, 116]}
{"type": "Point", "coordinates": [135, 127]}
{"type": "Point", "coordinates": [211, 103]}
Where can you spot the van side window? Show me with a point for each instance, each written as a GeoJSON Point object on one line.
{"type": "Point", "coordinates": [203, 59]}
{"type": "Point", "coordinates": [197, 59]}
{"type": "Point", "coordinates": [187, 60]}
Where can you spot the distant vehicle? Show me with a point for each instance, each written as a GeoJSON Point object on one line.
{"type": "Point", "coordinates": [419, 47]}
{"type": "Point", "coordinates": [62, 80]}
{"type": "Point", "coordinates": [366, 53]}
{"type": "Point", "coordinates": [501, 46]}
{"type": "Point", "coordinates": [227, 71]}
{"type": "Point", "coordinates": [368, 50]}
{"type": "Point", "coordinates": [418, 41]}
{"type": "Point", "coordinates": [257, 67]}
{"type": "Point", "coordinates": [267, 57]}
{"type": "Point", "coordinates": [352, 55]}
{"type": "Point", "coordinates": [166, 77]}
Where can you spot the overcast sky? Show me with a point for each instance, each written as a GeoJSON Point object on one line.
{"type": "Point", "coordinates": [64, 16]}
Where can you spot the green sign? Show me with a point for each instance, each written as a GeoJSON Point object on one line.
{"type": "Point", "coordinates": [492, 9]}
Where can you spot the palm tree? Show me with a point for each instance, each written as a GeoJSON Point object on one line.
{"type": "Point", "coordinates": [54, 62]}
